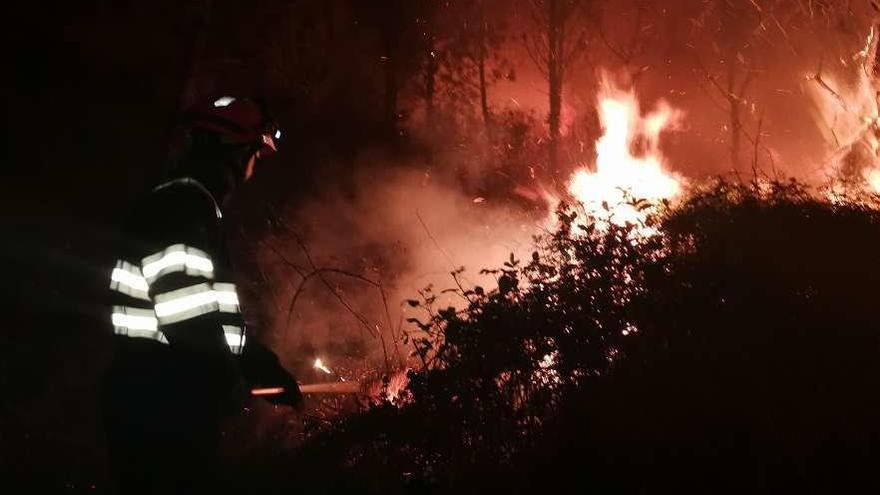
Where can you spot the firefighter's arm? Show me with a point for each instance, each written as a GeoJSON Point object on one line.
{"type": "Point", "coordinates": [190, 281]}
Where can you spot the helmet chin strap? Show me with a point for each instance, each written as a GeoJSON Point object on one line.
{"type": "Point", "coordinates": [238, 172]}
{"type": "Point", "coordinates": [251, 164]}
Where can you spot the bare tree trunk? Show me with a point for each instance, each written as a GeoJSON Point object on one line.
{"type": "Point", "coordinates": [430, 89]}
{"type": "Point", "coordinates": [202, 23]}
{"type": "Point", "coordinates": [554, 75]}
{"type": "Point", "coordinates": [484, 99]}
{"type": "Point", "coordinates": [875, 65]}
{"type": "Point", "coordinates": [481, 65]}
{"type": "Point", "coordinates": [189, 91]}
{"type": "Point", "coordinates": [390, 92]}
{"type": "Point", "coordinates": [735, 134]}
{"type": "Point", "coordinates": [735, 131]}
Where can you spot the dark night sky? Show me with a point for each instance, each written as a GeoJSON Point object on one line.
{"type": "Point", "coordinates": [89, 103]}
{"type": "Point", "coordinates": [91, 91]}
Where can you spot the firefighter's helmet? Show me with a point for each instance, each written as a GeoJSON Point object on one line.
{"type": "Point", "coordinates": [237, 121]}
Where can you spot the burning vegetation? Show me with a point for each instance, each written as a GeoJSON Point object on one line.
{"type": "Point", "coordinates": [634, 288]}
{"type": "Point", "coordinates": [607, 193]}
{"type": "Point", "coordinates": [610, 354]}
{"type": "Point", "coordinates": [636, 284]}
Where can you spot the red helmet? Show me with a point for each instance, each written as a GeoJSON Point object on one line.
{"type": "Point", "coordinates": [238, 121]}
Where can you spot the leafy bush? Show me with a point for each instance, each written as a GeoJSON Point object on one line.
{"type": "Point", "coordinates": [740, 343]}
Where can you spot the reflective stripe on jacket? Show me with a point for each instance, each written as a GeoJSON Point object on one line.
{"type": "Point", "coordinates": [174, 283]}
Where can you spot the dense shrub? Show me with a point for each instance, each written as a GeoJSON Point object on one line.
{"type": "Point", "coordinates": [737, 349]}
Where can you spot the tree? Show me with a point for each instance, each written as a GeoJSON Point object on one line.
{"type": "Point", "coordinates": [461, 55]}
{"type": "Point", "coordinates": [747, 36]}
{"type": "Point", "coordinates": [553, 45]}
{"type": "Point", "coordinates": [628, 51]}
{"type": "Point", "coordinates": [399, 27]}
{"type": "Point", "coordinates": [734, 72]}
{"type": "Point", "coordinates": [478, 36]}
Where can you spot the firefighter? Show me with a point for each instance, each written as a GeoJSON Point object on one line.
{"type": "Point", "coordinates": [183, 359]}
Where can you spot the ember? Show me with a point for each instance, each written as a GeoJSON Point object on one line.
{"type": "Point", "coordinates": [319, 365]}
{"type": "Point", "coordinates": [388, 388]}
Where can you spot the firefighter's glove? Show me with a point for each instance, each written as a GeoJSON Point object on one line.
{"type": "Point", "coordinates": [261, 368]}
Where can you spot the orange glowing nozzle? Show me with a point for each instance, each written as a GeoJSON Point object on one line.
{"type": "Point", "coordinates": [267, 391]}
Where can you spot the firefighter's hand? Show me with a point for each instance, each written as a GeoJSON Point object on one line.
{"type": "Point", "coordinates": [261, 368]}
{"type": "Point", "coordinates": [278, 377]}
{"type": "Point", "coordinates": [290, 397]}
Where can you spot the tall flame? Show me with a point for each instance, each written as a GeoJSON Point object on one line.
{"type": "Point", "coordinates": [847, 112]}
{"type": "Point", "coordinates": [619, 176]}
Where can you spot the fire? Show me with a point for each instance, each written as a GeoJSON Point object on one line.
{"type": "Point", "coordinates": [873, 179]}
{"type": "Point", "coordinates": [619, 176]}
{"type": "Point", "coordinates": [390, 388]}
{"type": "Point", "coordinates": [847, 112]}
{"type": "Point", "coordinates": [319, 365]}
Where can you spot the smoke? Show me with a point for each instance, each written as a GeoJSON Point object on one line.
{"type": "Point", "coordinates": [399, 225]}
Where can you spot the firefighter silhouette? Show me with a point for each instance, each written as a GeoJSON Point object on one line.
{"type": "Point", "coordinates": [183, 359]}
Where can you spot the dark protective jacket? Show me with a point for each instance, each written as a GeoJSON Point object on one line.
{"type": "Point", "coordinates": [173, 285]}
{"type": "Point", "coordinates": [182, 357]}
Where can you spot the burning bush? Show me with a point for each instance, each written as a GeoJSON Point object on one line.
{"type": "Point", "coordinates": [741, 336]}
{"type": "Point", "coordinates": [757, 344]}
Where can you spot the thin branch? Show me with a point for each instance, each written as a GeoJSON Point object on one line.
{"type": "Point", "coordinates": [536, 53]}
{"type": "Point", "coordinates": [745, 85]}
{"type": "Point", "coordinates": [757, 144]}
{"type": "Point", "coordinates": [298, 269]}
{"type": "Point", "coordinates": [389, 322]}
{"type": "Point", "coordinates": [436, 244]}
{"type": "Point", "coordinates": [817, 78]}
{"type": "Point", "coordinates": [319, 272]}
{"type": "Point", "coordinates": [619, 54]}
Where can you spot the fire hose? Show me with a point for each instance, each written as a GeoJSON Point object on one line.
{"type": "Point", "coordinates": [314, 388]}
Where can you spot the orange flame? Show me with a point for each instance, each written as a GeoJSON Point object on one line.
{"type": "Point", "coordinates": [393, 387]}
{"type": "Point", "coordinates": [847, 112]}
{"type": "Point", "coordinates": [620, 176]}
